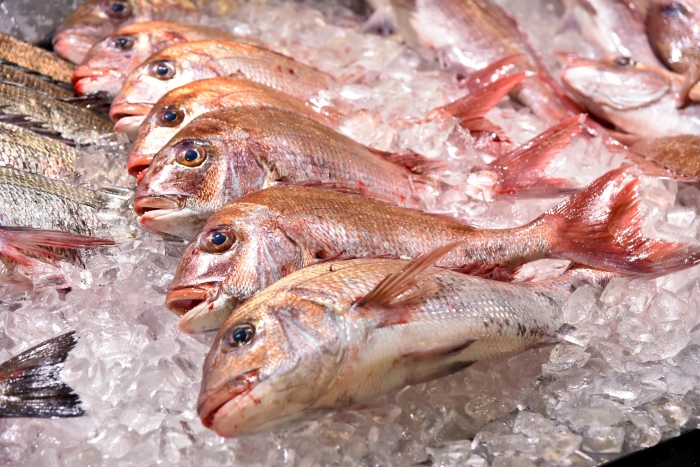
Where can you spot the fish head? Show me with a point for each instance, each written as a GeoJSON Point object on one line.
{"type": "Point", "coordinates": [269, 363]}
{"type": "Point", "coordinates": [201, 169]}
{"type": "Point", "coordinates": [617, 83]}
{"type": "Point", "coordinates": [150, 81]}
{"type": "Point", "coordinates": [673, 28]}
{"type": "Point", "coordinates": [240, 250]}
{"type": "Point", "coordinates": [92, 22]}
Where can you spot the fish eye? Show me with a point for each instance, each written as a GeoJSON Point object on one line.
{"type": "Point", "coordinates": [626, 61]}
{"type": "Point", "coordinates": [162, 69]}
{"type": "Point", "coordinates": [191, 156]}
{"type": "Point", "coordinates": [674, 9]}
{"type": "Point", "coordinates": [123, 42]}
{"type": "Point", "coordinates": [170, 116]}
{"type": "Point", "coordinates": [118, 9]}
{"type": "Point", "coordinates": [218, 240]}
{"type": "Point", "coordinates": [239, 335]}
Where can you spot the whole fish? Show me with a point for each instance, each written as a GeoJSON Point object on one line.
{"type": "Point", "coordinates": [32, 58]}
{"type": "Point", "coordinates": [180, 64]}
{"type": "Point", "coordinates": [97, 19]}
{"type": "Point", "coordinates": [673, 28]}
{"type": "Point", "coordinates": [30, 385]}
{"type": "Point", "coordinates": [25, 150]}
{"type": "Point", "coordinates": [471, 34]}
{"type": "Point", "coordinates": [261, 237]}
{"type": "Point", "coordinates": [109, 62]}
{"type": "Point", "coordinates": [43, 114]}
{"type": "Point", "coordinates": [15, 75]}
{"type": "Point", "coordinates": [636, 98]}
{"type": "Point", "coordinates": [338, 334]}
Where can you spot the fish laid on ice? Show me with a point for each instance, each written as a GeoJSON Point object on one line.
{"type": "Point", "coordinates": [42, 114]}
{"type": "Point", "coordinates": [338, 334]}
{"type": "Point", "coordinates": [31, 152]}
{"type": "Point", "coordinates": [222, 155]}
{"type": "Point", "coordinates": [30, 385]}
{"type": "Point", "coordinates": [180, 64]}
{"type": "Point", "coordinates": [109, 62]}
{"type": "Point", "coordinates": [260, 238]}
{"type": "Point", "coordinates": [14, 75]}
{"type": "Point", "coordinates": [32, 58]}
{"type": "Point", "coordinates": [637, 98]}
{"type": "Point", "coordinates": [679, 153]}
{"type": "Point", "coordinates": [97, 19]}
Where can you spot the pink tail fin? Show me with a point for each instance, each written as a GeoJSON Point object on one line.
{"type": "Point", "coordinates": [470, 109]}
{"type": "Point", "coordinates": [490, 73]}
{"type": "Point", "coordinates": [522, 171]}
{"type": "Point", "coordinates": [601, 226]}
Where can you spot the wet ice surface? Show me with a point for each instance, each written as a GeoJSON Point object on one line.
{"type": "Point", "coordinates": [629, 377]}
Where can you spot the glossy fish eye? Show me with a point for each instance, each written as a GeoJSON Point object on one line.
{"type": "Point", "coordinates": [118, 9]}
{"type": "Point", "coordinates": [191, 156]}
{"type": "Point", "coordinates": [123, 42]}
{"type": "Point", "coordinates": [237, 336]}
{"type": "Point", "coordinates": [218, 240]}
{"type": "Point", "coordinates": [626, 61]}
{"type": "Point", "coordinates": [162, 69]}
{"type": "Point", "coordinates": [170, 116]}
{"type": "Point", "coordinates": [674, 9]}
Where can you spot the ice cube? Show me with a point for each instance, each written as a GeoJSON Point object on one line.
{"type": "Point", "coordinates": [558, 446]}
{"type": "Point", "coordinates": [603, 439]}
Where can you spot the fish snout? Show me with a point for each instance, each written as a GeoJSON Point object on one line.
{"type": "Point", "coordinates": [145, 204]}
{"type": "Point", "coordinates": [120, 110]}
{"type": "Point", "coordinates": [72, 47]}
{"type": "Point", "coordinates": [210, 402]}
{"type": "Point", "coordinates": [181, 300]}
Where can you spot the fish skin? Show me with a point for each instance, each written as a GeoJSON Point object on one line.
{"type": "Point", "coordinates": [107, 65]}
{"type": "Point", "coordinates": [251, 148]}
{"type": "Point", "coordinates": [637, 98]}
{"type": "Point", "coordinates": [194, 61]}
{"type": "Point", "coordinates": [471, 34]}
{"type": "Point", "coordinates": [68, 121]}
{"type": "Point", "coordinates": [13, 74]}
{"type": "Point", "coordinates": [25, 150]}
{"type": "Point", "coordinates": [679, 153]}
{"type": "Point", "coordinates": [316, 347]}
{"type": "Point", "coordinates": [33, 58]}
{"type": "Point", "coordinates": [207, 95]}
{"type": "Point", "coordinates": [95, 20]}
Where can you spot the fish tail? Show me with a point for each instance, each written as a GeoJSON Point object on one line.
{"type": "Point", "coordinates": [30, 384]}
{"type": "Point", "coordinates": [601, 226]}
{"type": "Point", "coordinates": [522, 171]}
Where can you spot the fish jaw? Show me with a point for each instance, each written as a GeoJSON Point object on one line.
{"type": "Point", "coordinates": [88, 80]}
{"type": "Point", "coordinates": [168, 215]}
{"type": "Point", "coordinates": [129, 125]}
{"type": "Point", "coordinates": [217, 404]}
{"type": "Point", "coordinates": [72, 47]}
{"type": "Point", "coordinates": [201, 307]}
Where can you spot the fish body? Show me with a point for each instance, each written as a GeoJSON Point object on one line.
{"type": "Point", "coordinates": [679, 153]}
{"type": "Point", "coordinates": [32, 58]}
{"type": "Point", "coordinates": [97, 19]}
{"type": "Point", "coordinates": [471, 34]}
{"type": "Point", "coordinates": [181, 64]}
{"type": "Point", "coordinates": [28, 151]}
{"type": "Point", "coordinates": [15, 75]}
{"type": "Point", "coordinates": [109, 61]}
{"type": "Point", "coordinates": [338, 334]}
{"type": "Point", "coordinates": [222, 155]}
{"type": "Point", "coordinates": [637, 98]}
{"type": "Point", "coordinates": [187, 102]}
{"type": "Point", "coordinates": [43, 114]}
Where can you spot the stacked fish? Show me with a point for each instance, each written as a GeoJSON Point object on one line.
{"type": "Point", "coordinates": [313, 255]}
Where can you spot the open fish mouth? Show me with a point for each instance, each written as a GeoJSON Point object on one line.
{"type": "Point", "coordinates": [228, 396]}
{"type": "Point", "coordinates": [183, 300]}
{"type": "Point", "coordinates": [137, 166]}
{"type": "Point", "coordinates": [88, 80]}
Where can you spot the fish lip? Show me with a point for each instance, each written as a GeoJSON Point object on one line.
{"type": "Point", "coordinates": [129, 125]}
{"type": "Point", "coordinates": [83, 71]}
{"type": "Point", "coordinates": [127, 109]}
{"type": "Point", "coordinates": [229, 394]}
{"type": "Point", "coordinates": [183, 300]}
{"type": "Point", "coordinates": [157, 204]}
{"type": "Point", "coordinates": [138, 165]}
{"type": "Point", "coordinates": [65, 45]}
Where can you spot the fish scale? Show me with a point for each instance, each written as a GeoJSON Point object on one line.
{"type": "Point", "coordinates": [32, 81]}
{"type": "Point", "coordinates": [25, 150]}
{"type": "Point", "coordinates": [35, 59]}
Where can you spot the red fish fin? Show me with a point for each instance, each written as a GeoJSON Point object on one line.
{"type": "Point", "coordinates": [470, 109]}
{"type": "Point", "coordinates": [386, 293]}
{"type": "Point", "coordinates": [490, 73]}
{"type": "Point", "coordinates": [29, 239]}
{"type": "Point", "coordinates": [414, 162]}
{"type": "Point", "coordinates": [522, 171]}
{"type": "Point", "coordinates": [601, 226]}
{"type": "Point", "coordinates": [441, 350]}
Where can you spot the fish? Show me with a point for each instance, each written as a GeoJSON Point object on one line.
{"type": "Point", "coordinates": [262, 237]}
{"type": "Point", "coordinates": [468, 35]}
{"type": "Point", "coordinates": [338, 334]}
{"type": "Point", "coordinates": [680, 153]}
{"type": "Point", "coordinates": [109, 61]}
{"type": "Point", "coordinates": [637, 98]}
{"type": "Point", "coordinates": [184, 63]}
{"type": "Point", "coordinates": [51, 117]}
{"type": "Point", "coordinates": [32, 58]}
{"type": "Point", "coordinates": [673, 29]}
{"type": "Point", "coordinates": [30, 384]}
{"type": "Point", "coordinates": [222, 155]}
{"type": "Point", "coordinates": [30, 152]}
{"type": "Point", "coordinates": [15, 75]}
{"type": "Point", "coordinates": [96, 19]}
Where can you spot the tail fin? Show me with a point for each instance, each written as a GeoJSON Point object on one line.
{"type": "Point", "coordinates": [470, 109]}
{"type": "Point", "coordinates": [601, 226]}
{"type": "Point", "coordinates": [522, 171]}
{"type": "Point", "coordinates": [30, 384]}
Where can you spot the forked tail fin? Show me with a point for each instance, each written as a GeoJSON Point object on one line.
{"type": "Point", "coordinates": [601, 226]}
{"type": "Point", "coordinates": [30, 385]}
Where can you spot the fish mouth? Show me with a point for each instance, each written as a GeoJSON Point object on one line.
{"type": "Point", "coordinates": [227, 396]}
{"type": "Point", "coordinates": [154, 204]}
{"type": "Point", "coordinates": [126, 110]}
{"type": "Point", "coordinates": [72, 47]}
{"type": "Point", "coordinates": [182, 300]}
{"type": "Point", "coordinates": [88, 80]}
{"type": "Point", "coordinates": [129, 125]}
{"type": "Point", "coordinates": [137, 166]}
